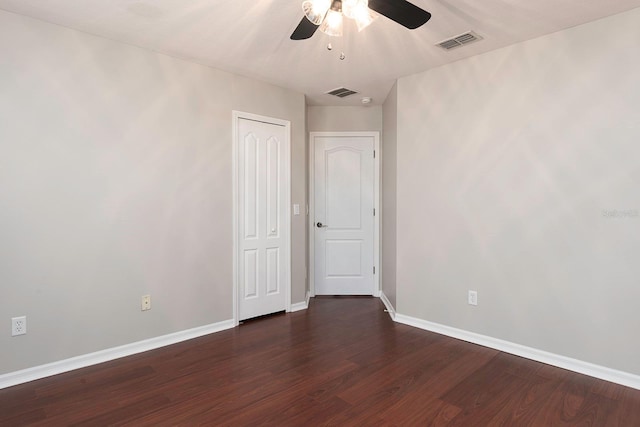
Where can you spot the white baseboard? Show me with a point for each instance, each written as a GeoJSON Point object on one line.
{"type": "Point", "coordinates": [300, 305]}
{"type": "Point", "coordinates": [42, 371]}
{"type": "Point", "coordinates": [388, 305]}
{"type": "Point", "coordinates": [597, 371]}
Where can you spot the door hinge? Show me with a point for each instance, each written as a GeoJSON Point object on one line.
{"type": "Point", "coordinates": [374, 269]}
{"type": "Point", "coordinates": [374, 154]}
{"type": "Point", "coordinates": [374, 211]}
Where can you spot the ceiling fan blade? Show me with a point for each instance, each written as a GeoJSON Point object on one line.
{"type": "Point", "coordinates": [304, 30]}
{"type": "Point", "coordinates": [401, 11]}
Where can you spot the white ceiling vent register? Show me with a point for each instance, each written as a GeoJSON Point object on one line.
{"type": "Point", "coordinates": [460, 40]}
{"type": "Point", "coordinates": [341, 92]}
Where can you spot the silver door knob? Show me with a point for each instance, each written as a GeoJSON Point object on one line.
{"type": "Point", "coordinates": [319, 225]}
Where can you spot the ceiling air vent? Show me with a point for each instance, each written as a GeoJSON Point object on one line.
{"type": "Point", "coordinates": [457, 41]}
{"type": "Point", "coordinates": [341, 92]}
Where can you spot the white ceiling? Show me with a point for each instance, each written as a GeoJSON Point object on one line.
{"type": "Point", "coordinates": [251, 37]}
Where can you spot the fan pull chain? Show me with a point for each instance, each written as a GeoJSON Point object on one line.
{"type": "Point", "coordinates": [342, 54]}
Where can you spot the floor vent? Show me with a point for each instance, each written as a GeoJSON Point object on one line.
{"type": "Point", "coordinates": [461, 40]}
{"type": "Point", "coordinates": [341, 92]}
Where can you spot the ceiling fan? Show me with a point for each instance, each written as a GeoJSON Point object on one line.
{"type": "Point", "coordinates": [328, 15]}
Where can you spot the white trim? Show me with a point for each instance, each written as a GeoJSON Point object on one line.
{"type": "Point", "coordinates": [376, 203]}
{"type": "Point", "coordinates": [300, 305]}
{"type": "Point", "coordinates": [234, 214]}
{"type": "Point", "coordinates": [311, 215]}
{"type": "Point", "coordinates": [586, 368]}
{"type": "Point", "coordinates": [388, 305]}
{"type": "Point", "coordinates": [376, 219]}
{"type": "Point", "coordinates": [43, 371]}
{"type": "Point", "coordinates": [237, 115]}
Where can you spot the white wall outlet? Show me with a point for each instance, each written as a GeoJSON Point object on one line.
{"type": "Point", "coordinates": [296, 209]}
{"type": "Point", "coordinates": [18, 326]}
{"type": "Point", "coordinates": [473, 298]}
{"type": "Point", "coordinates": [146, 302]}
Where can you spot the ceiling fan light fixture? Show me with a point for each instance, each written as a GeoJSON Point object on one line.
{"type": "Point", "coordinates": [348, 7]}
{"type": "Point", "coordinates": [332, 24]}
{"type": "Point", "coordinates": [318, 15]}
{"type": "Point", "coordinates": [316, 10]}
{"type": "Point", "coordinates": [364, 18]}
{"type": "Point", "coordinates": [359, 11]}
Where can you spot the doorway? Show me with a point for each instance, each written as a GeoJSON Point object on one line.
{"type": "Point", "coordinates": [344, 213]}
{"type": "Point", "coordinates": [262, 226]}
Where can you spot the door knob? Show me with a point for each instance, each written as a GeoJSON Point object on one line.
{"type": "Point", "coordinates": [319, 225]}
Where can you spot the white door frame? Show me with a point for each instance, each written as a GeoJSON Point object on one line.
{"type": "Point", "coordinates": [237, 115]}
{"type": "Point", "coordinates": [376, 205]}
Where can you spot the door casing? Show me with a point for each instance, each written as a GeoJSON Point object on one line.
{"type": "Point", "coordinates": [376, 203]}
{"type": "Point", "coordinates": [237, 116]}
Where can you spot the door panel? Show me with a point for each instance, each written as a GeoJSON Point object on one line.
{"type": "Point", "coordinates": [250, 169]}
{"type": "Point", "coordinates": [343, 258]}
{"type": "Point", "coordinates": [273, 270]}
{"type": "Point", "coordinates": [273, 188]}
{"type": "Point", "coordinates": [344, 188]}
{"type": "Point", "coordinates": [263, 244]}
{"type": "Point", "coordinates": [344, 202]}
{"type": "Point", "coordinates": [250, 273]}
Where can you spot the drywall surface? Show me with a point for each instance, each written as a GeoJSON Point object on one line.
{"type": "Point", "coordinates": [344, 119]}
{"type": "Point", "coordinates": [518, 176]}
{"type": "Point", "coordinates": [389, 190]}
{"type": "Point", "coordinates": [115, 182]}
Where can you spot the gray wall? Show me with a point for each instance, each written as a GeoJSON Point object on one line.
{"type": "Point", "coordinates": [511, 166]}
{"type": "Point", "coordinates": [389, 180]}
{"type": "Point", "coordinates": [115, 181]}
{"type": "Point", "coordinates": [344, 119]}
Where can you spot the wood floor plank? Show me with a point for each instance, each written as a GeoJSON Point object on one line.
{"type": "Point", "coordinates": [440, 377]}
{"type": "Point", "coordinates": [629, 409]}
{"type": "Point", "coordinates": [483, 394]}
{"type": "Point", "coordinates": [342, 362]}
{"type": "Point", "coordinates": [422, 412]}
{"type": "Point", "coordinates": [524, 407]}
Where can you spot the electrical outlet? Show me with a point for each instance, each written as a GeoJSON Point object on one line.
{"type": "Point", "coordinates": [18, 326]}
{"type": "Point", "coordinates": [473, 298]}
{"type": "Point", "coordinates": [146, 302]}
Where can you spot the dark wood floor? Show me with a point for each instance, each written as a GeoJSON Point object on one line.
{"type": "Point", "coordinates": [342, 362]}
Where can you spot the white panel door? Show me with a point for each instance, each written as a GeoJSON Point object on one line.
{"type": "Point", "coordinates": [344, 217]}
{"type": "Point", "coordinates": [263, 227]}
